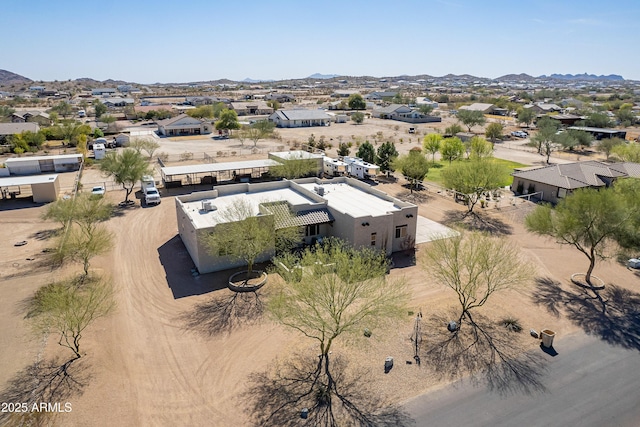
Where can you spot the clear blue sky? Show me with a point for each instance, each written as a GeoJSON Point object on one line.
{"type": "Point", "coordinates": [192, 40]}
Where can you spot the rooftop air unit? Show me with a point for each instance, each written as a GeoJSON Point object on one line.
{"type": "Point", "coordinates": [207, 206]}
{"type": "Point", "coordinates": [320, 190]}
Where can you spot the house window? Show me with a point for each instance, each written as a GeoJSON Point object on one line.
{"type": "Point", "coordinates": [373, 238]}
{"type": "Point", "coordinates": [401, 231]}
{"type": "Point", "coordinates": [312, 230]}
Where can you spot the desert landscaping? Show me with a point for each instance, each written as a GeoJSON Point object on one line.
{"type": "Point", "coordinates": [168, 356]}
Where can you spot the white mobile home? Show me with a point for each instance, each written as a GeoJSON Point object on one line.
{"type": "Point", "coordinates": [358, 168]}
{"type": "Point", "coordinates": [334, 167]}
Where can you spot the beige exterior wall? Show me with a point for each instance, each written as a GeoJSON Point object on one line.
{"type": "Point", "coordinates": [345, 226]}
{"type": "Point", "coordinates": [549, 192]}
{"type": "Point", "coordinates": [46, 192]}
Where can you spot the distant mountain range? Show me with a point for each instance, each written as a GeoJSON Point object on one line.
{"type": "Point", "coordinates": [8, 78]}
{"type": "Point", "coordinates": [584, 76]}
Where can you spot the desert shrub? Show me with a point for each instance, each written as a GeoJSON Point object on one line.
{"type": "Point", "coordinates": [511, 324]}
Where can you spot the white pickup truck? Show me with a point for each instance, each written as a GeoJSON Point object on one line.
{"type": "Point", "coordinates": [149, 190]}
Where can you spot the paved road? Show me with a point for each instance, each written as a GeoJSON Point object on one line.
{"type": "Point", "coordinates": [589, 384]}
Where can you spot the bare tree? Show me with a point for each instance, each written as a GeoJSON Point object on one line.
{"type": "Point", "coordinates": [475, 266]}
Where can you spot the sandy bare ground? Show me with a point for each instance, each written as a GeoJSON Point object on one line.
{"type": "Point", "coordinates": [159, 360]}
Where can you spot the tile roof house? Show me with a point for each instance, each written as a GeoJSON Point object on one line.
{"type": "Point", "coordinates": [556, 181]}
{"type": "Point", "coordinates": [184, 125]}
{"type": "Point", "coordinates": [300, 118]}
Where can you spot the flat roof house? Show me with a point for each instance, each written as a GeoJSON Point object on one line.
{"type": "Point", "coordinates": [556, 181]}
{"type": "Point", "coordinates": [340, 207]}
{"type": "Point", "coordinates": [43, 164]}
{"type": "Point", "coordinates": [184, 125]}
{"type": "Point", "coordinates": [300, 118]}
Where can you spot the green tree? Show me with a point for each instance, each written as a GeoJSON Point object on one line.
{"type": "Point", "coordinates": [6, 112]}
{"type": "Point", "coordinates": [385, 156]}
{"type": "Point", "coordinates": [79, 246]}
{"type": "Point", "coordinates": [99, 108]}
{"type": "Point", "coordinates": [471, 118]}
{"type": "Point", "coordinates": [626, 116]}
{"type": "Point", "coordinates": [242, 235]}
{"type": "Point", "coordinates": [126, 167]}
{"type": "Point", "coordinates": [606, 145]}
{"type": "Point", "coordinates": [475, 177]}
{"type": "Point", "coordinates": [366, 152]}
{"type": "Point", "coordinates": [480, 148]}
{"type": "Point", "coordinates": [431, 144]}
{"type": "Point", "coordinates": [109, 120]}
{"type": "Point", "coordinates": [453, 130]}
{"type": "Point", "coordinates": [581, 137]}
{"type": "Point", "coordinates": [545, 138]}
{"type": "Point", "coordinates": [63, 108]}
{"type": "Point", "coordinates": [204, 111]}
{"type": "Point", "coordinates": [414, 167]}
{"type": "Point", "coordinates": [273, 104]}
{"type": "Point", "coordinates": [526, 116]}
{"type": "Point", "coordinates": [357, 117]}
{"type": "Point", "coordinates": [295, 167]}
{"type": "Point", "coordinates": [626, 152]}
{"type": "Point", "coordinates": [451, 149]}
{"type": "Point", "coordinates": [147, 145]}
{"type": "Point", "coordinates": [68, 309]}
{"type": "Point", "coordinates": [71, 131]}
{"type": "Point", "coordinates": [494, 132]}
{"type": "Point", "coordinates": [340, 292]}
{"type": "Point", "coordinates": [228, 121]}
{"type": "Point", "coordinates": [343, 149]}
{"type": "Point", "coordinates": [259, 130]}
{"type": "Point", "coordinates": [97, 133]}
{"type": "Point", "coordinates": [598, 120]}
{"type": "Point", "coordinates": [425, 109]}
{"type": "Point", "coordinates": [476, 266]}
{"type": "Point", "coordinates": [356, 102]}
{"type": "Point", "coordinates": [586, 219]}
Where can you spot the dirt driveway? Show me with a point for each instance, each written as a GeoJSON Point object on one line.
{"type": "Point", "coordinates": [159, 360]}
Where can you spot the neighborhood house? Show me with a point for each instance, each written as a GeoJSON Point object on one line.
{"type": "Point", "coordinates": [340, 207]}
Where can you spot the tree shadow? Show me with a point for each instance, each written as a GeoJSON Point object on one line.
{"type": "Point", "coordinates": [484, 352]}
{"type": "Point", "coordinates": [416, 197]}
{"type": "Point", "coordinates": [474, 221]}
{"type": "Point", "coordinates": [279, 396]}
{"type": "Point", "coordinates": [46, 234]}
{"type": "Point", "coordinates": [44, 382]}
{"type": "Point", "coordinates": [224, 312]}
{"type": "Point", "coordinates": [612, 314]}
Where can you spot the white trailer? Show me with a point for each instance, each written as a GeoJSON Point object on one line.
{"type": "Point", "coordinates": [333, 167]}
{"type": "Point", "coordinates": [99, 151]}
{"type": "Point", "coordinates": [358, 168]}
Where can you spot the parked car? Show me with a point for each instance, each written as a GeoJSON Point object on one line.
{"type": "Point", "coordinates": [520, 134]}
{"type": "Point", "coordinates": [98, 191]}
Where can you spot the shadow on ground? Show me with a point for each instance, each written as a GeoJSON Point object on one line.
{"type": "Point", "coordinates": [417, 196]}
{"type": "Point", "coordinates": [278, 396]}
{"type": "Point", "coordinates": [613, 314]}
{"type": "Point", "coordinates": [485, 352]}
{"type": "Point", "coordinates": [178, 266]}
{"type": "Point", "coordinates": [224, 312]}
{"type": "Point", "coordinates": [476, 222]}
{"type": "Point", "coordinates": [47, 381]}
{"type": "Point", "coordinates": [18, 203]}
